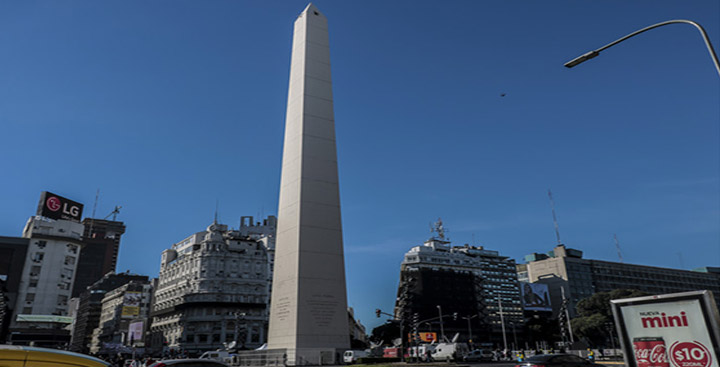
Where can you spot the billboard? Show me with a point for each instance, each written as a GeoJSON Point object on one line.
{"type": "Point", "coordinates": [135, 333]}
{"type": "Point", "coordinates": [672, 330]}
{"type": "Point", "coordinates": [57, 207]}
{"type": "Point", "coordinates": [131, 305]}
{"type": "Point", "coordinates": [535, 296]}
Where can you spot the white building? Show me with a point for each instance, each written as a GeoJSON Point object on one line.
{"type": "Point", "coordinates": [212, 289]}
{"type": "Point", "coordinates": [47, 279]}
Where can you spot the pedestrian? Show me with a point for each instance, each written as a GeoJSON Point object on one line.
{"type": "Point", "coordinates": [591, 355]}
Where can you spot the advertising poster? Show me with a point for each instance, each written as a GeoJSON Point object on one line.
{"type": "Point", "coordinates": [535, 296]}
{"type": "Point", "coordinates": [131, 305]}
{"type": "Point", "coordinates": [57, 207]}
{"type": "Point", "coordinates": [135, 332]}
{"type": "Point", "coordinates": [428, 337]}
{"type": "Point", "coordinates": [662, 331]}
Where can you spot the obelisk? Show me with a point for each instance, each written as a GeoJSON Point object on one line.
{"type": "Point", "coordinates": [308, 314]}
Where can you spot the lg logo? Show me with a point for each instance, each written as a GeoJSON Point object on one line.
{"type": "Point", "coordinates": [55, 204]}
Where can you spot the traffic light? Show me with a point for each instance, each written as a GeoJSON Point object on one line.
{"type": "Point", "coordinates": [377, 312]}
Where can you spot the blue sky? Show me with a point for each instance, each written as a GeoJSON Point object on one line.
{"type": "Point", "coordinates": [170, 106]}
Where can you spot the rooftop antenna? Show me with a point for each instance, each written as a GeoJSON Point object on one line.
{"type": "Point", "coordinates": [557, 228]}
{"type": "Point", "coordinates": [617, 246]}
{"type": "Point", "coordinates": [92, 218]}
{"type": "Point", "coordinates": [114, 213]}
{"type": "Point", "coordinates": [217, 202]}
{"type": "Point", "coordinates": [680, 258]}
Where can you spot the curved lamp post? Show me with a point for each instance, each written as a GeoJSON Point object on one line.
{"type": "Point", "coordinates": [594, 53]}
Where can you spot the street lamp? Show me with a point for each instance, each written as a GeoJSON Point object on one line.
{"type": "Point", "coordinates": [468, 318]}
{"type": "Point", "coordinates": [589, 55]}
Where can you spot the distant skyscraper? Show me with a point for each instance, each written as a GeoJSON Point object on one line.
{"type": "Point", "coordinates": [101, 243]}
{"type": "Point", "coordinates": [309, 302]}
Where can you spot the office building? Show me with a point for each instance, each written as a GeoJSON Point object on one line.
{"type": "Point", "coordinates": [461, 283]}
{"type": "Point", "coordinates": [12, 260]}
{"type": "Point", "coordinates": [101, 243]}
{"type": "Point", "coordinates": [212, 289]}
{"type": "Point", "coordinates": [87, 315]}
{"type": "Point", "coordinates": [565, 268]}
{"type": "Point", "coordinates": [46, 284]}
{"type": "Point", "coordinates": [122, 308]}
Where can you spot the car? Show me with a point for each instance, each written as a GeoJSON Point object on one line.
{"type": "Point", "coordinates": [22, 356]}
{"type": "Point", "coordinates": [556, 360]}
{"type": "Point", "coordinates": [189, 363]}
{"type": "Point", "coordinates": [479, 355]}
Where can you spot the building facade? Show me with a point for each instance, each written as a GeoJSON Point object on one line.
{"type": "Point", "coordinates": [101, 244]}
{"type": "Point", "coordinates": [212, 289]}
{"type": "Point", "coordinates": [467, 284]}
{"type": "Point", "coordinates": [87, 316]}
{"type": "Point", "coordinates": [120, 309]}
{"type": "Point", "coordinates": [12, 260]}
{"type": "Point", "coordinates": [565, 270]}
{"type": "Point", "coordinates": [45, 287]}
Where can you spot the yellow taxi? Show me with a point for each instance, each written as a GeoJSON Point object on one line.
{"type": "Point", "coordinates": [22, 356]}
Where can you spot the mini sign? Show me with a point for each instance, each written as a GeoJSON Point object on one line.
{"type": "Point", "coordinates": [670, 330]}
{"type": "Point", "coordinates": [57, 207]}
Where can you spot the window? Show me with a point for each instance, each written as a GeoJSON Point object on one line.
{"type": "Point", "coordinates": [34, 270]}
{"type": "Point", "coordinates": [41, 244]}
{"type": "Point", "coordinates": [30, 297]}
{"type": "Point", "coordinates": [72, 248]}
{"type": "Point", "coordinates": [62, 300]}
{"type": "Point", "coordinates": [69, 260]}
{"type": "Point", "coordinates": [27, 310]}
{"type": "Point", "coordinates": [38, 257]}
{"type": "Point", "coordinates": [33, 284]}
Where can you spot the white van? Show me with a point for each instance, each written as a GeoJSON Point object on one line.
{"type": "Point", "coordinates": [351, 356]}
{"type": "Point", "coordinates": [218, 355]}
{"type": "Point", "coordinates": [450, 352]}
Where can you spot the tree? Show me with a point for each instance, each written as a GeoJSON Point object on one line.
{"type": "Point", "coordinates": [594, 314]}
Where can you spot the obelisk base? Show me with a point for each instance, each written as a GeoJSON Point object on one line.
{"type": "Point", "coordinates": [314, 356]}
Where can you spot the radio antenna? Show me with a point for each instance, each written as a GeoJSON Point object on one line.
{"type": "Point", "coordinates": [92, 218]}
{"type": "Point", "coordinates": [557, 228]}
{"type": "Point", "coordinates": [617, 246]}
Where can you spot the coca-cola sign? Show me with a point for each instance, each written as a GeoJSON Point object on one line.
{"type": "Point", "coordinates": [669, 330]}
{"type": "Point", "coordinates": [650, 352]}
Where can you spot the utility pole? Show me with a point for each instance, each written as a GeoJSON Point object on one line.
{"type": "Point", "coordinates": [442, 330]}
{"type": "Point", "coordinates": [567, 314]}
{"type": "Point", "coordinates": [502, 323]}
{"type": "Point", "coordinates": [468, 318]}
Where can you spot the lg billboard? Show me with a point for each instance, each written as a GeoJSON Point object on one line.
{"type": "Point", "coordinates": [54, 206]}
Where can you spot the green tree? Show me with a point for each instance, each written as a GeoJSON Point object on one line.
{"type": "Point", "coordinates": [595, 315]}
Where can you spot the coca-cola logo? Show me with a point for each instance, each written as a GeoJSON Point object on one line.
{"type": "Point", "coordinates": [656, 355]}
{"type": "Point", "coordinates": [53, 203]}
